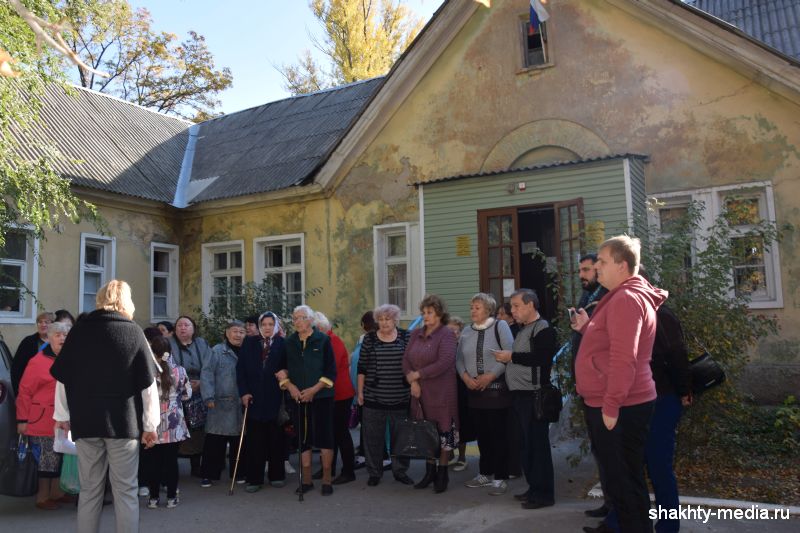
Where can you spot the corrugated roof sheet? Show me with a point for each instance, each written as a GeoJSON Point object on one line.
{"type": "Point", "coordinates": [535, 167]}
{"type": "Point", "coordinates": [774, 22]}
{"type": "Point", "coordinates": [276, 145]}
{"type": "Point", "coordinates": [109, 144]}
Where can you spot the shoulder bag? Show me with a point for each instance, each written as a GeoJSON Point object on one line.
{"type": "Point", "coordinates": [18, 470]}
{"type": "Point", "coordinates": [547, 398]}
{"type": "Point", "coordinates": [414, 438]}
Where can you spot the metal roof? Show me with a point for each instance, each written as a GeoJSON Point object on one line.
{"type": "Point", "coordinates": [277, 145]}
{"type": "Point", "coordinates": [776, 23]}
{"type": "Point", "coordinates": [531, 168]}
{"type": "Point", "coordinates": [109, 144]}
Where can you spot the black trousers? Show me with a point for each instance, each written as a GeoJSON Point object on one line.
{"type": "Point", "coordinates": [264, 441]}
{"type": "Point", "coordinates": [161, 463]}
{"type": "Point", "coordinates": [536, 459]}
{"type": "Point", "coordinates": [343, 441]}
{"type": "Point", "coordinates": [214, 456]}
{"type": "Point", "coordinates": [492, 429]}
{"type": "Point", "coordinates": [621, 453]}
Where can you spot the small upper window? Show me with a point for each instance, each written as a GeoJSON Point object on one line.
{"type": "Point", "coordinates": [534, 38]}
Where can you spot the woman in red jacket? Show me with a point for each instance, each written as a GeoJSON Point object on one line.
{"type": "Point", "coordinates": [35, 406]}
{"type": "Point", "coordinates": [343, 393]}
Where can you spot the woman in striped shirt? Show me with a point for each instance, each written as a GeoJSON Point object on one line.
{"type": "Point", "coordinates": [383, 391]}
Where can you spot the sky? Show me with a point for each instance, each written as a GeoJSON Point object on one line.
{"type": "Point", "coordinates": [249, 37]}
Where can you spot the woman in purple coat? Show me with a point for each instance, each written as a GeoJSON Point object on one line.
{"type": "Point", "coordinates": [429, 366]}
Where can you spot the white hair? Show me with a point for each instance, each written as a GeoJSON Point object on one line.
{"type": "Point", "coordinates": [58, 327]}
{"type": "Point", "coordinates": [305, 310]}
{"type": "Point", "coordinates": [322, 322]}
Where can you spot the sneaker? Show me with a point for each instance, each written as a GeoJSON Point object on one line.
{"type": "Point", "coordinates": [278, 483]}
{"type": "Point", "coordinates": [387, 465]}
{"type": "Point", "coordinates": [289, 468]}
{"type": "Point", "coordinates": [205, 483]}
{"type": "Point", "coordinates": [460, 465]}
{"type": "Point", "coordinates": [498, 487]}
{"type": "Point", "coordinates": [478, 481]}
{"type": "Point", "coordinates": [152, 503]}
{"type": "Point", "coordinates": [144, 492]}
{"type": "Point", "coordinates": [241, 481]}
{"type": "Point", "coordinates": [252, 488]}
{"type": "Point", "coordinates": [172, 503]}
{"type": "Point", "coordinates": [360, 462]}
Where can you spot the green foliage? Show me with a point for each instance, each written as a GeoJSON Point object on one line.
{"type": "Point", "coordinates": [32, 192]}
{"type": "Point", "coordinates": [362, 39]}
{"type": "Point", "coordinates": [787, 424]}
{"type": "Point", "coordinates": [240, 302]}
{"type": "Point", "coordinates": [152, 69]}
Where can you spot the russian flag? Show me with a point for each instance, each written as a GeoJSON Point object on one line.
{"type": "Point", "coordinates": [538, 15]}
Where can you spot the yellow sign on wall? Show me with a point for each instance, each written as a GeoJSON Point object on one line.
{"type": "Point", "coordinates": [462, 246]}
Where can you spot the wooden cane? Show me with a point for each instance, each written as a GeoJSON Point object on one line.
{"type": "Point", "coordinates": [239, 451]}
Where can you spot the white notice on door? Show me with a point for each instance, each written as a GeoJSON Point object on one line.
{"type": "Point", "coordinates": [508, 287]}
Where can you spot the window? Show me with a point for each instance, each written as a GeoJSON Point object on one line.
{"type": "Point", "coordinates": [534, 44]}
{"type": "Point", "coordinates": [97, 268]}
{"type": "Point", "coordinates": [279, 260]}
{"type": "Point", "coordinates": [163, 281]}
{"type": "Point", "coordinates": [223, 273]}
{"type": "Point", "coordinates": [397, 268]}
{"type": "Point", "coordinates": [18, 276]}
{"type": "Point", "coordinates": [756, 270]}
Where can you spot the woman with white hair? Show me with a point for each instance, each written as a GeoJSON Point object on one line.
{"type": "Point", "coordinates": [310, 372]}
{"type": "Point", "coordinates": [383, 391]}
{"type": "Point", "coordinates": [35, 407]}
{"type": "Point", "coordinates": [343, 393]}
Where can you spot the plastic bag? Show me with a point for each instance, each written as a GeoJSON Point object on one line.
{"type": "Point", "coordinates": [63, 443]}
{"type": "Point", "coordinates": [70, 481]}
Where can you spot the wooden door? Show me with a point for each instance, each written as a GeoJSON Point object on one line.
{"type": "Point", "coordinates": [498, 243]}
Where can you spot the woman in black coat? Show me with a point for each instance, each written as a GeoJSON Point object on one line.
{"type": "Point", "coordinates": [259, 359]}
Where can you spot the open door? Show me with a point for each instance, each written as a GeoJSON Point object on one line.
{"type": "Point", "coordinates": [498, 242]}
{"type": "Point", "coordinates": [570, 233]}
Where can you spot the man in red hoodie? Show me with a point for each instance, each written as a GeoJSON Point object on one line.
{"type": "Point", "coordinates": [613, 376]}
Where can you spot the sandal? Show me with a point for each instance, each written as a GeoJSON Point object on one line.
{"type": "Point", "coordinates": [460, 466]}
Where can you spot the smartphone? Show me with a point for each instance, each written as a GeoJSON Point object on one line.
{"type": "Point", "coordinates": [571, 314]}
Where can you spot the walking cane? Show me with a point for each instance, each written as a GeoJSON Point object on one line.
{"type": "Point", "coordinates": [239, 451]}
{"type": "Point", "coordinates": [300, 451]}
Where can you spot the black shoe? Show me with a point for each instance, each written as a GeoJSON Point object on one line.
{"type": "Point", "coordinates": [441, 480]}
{"type": "Point", "coordinates": [327, 490]}
{"type": "Point", "coordinates": [404, 479]}
{"type": "Point", "coordinates": [305, 487]}
{"type": "Point", "coordinates": [344, 478]}
{"type": "Point", "coordinates": [600, 512]}
{"type": "Point", "coordinates": [317, 474]}
{"type": "Point", "coordinates": [601, 528]}
{"type": "Point", "coordinates": [522, 497]}
{"type": "Point", "coordinates": [430, 473]}
{"type": "Point", "coordinates": [373, 481]}
{"type": "Point", "coordinates": [536, 505]}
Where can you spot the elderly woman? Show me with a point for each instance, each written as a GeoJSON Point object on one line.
{"type": "Point", "coordinates": [29, 347]}
{"type": "Point", "coordinates": [192, 353]}
{"type": "Point", "coordinates": [221, 394]}
{"type": "Point", "coordinates": [260, 358]}
{"type": "Point", "coordinates": [35, 407]}
{"type": "Point", "coordinates": [428, 365]}
{"type": "Point", "coordinates": [343, 393]}
{"type": "Point", "coordinates": [383, 391]}
{"type": "Point", "coordinates": [107, 395]}
{"type": "Point", "coordinates": [488, 398]}
{"type": "Point", "coordinates": [310, 373]}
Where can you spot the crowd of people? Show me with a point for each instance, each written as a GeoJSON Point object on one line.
{"type": "Point", "coordinates": [136, 400]}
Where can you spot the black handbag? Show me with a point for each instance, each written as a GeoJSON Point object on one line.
{"type": "Point", "coordinates": [195, 411]}
{"type": "Point", "coordinates": [706, 373]}
{"type": "Point", "coordinates": [547, 400]}
{"type": "Point", "coordinates": [18, 470]}
{"type": "Point", "coordinates": [417, 439]}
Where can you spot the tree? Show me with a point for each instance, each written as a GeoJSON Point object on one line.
{"type": "Point", "coordinates": [32, 193]}
{"type": "Point", "coordinates": [363, 38]}
{"type": "Point", "coordinates": [146, 67]}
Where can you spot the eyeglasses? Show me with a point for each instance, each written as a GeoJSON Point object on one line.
{"type": "Point", "coordinates": [303, 317]}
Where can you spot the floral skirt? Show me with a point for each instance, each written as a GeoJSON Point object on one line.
{"type": "Point", "coordinates": [49, 460]}
{"type": "Point", "coordinates": [449, 439]}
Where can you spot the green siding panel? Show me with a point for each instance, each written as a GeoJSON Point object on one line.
{"type": "Point", "coordinates": [451, 210]}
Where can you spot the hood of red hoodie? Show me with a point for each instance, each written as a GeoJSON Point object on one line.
{"type": "Point", "coordinates": [637, 284]}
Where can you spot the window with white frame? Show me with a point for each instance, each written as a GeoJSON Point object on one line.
{"type": "Point", "coordinates": [280, 261]}
{"type": "Point", "coordinates": [756, 270]}
{"type": "Point", "coordinates": [223, 273]}
{"type": "Point", "coordinates": [397, 268]}
{"type": "Point", "coordinates": [97, 268]}
{"type": "Point", "coordinates": [18, 276]}
{"type": "Point", "coordinates": [163, 281]}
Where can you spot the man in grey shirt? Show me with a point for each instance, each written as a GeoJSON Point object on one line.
{"type": "Point", "coordinates": [528, 366]}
